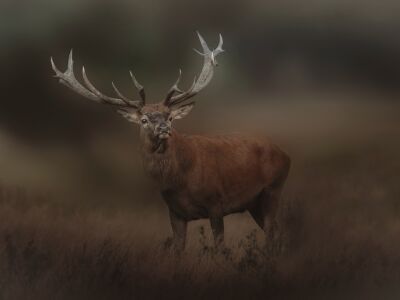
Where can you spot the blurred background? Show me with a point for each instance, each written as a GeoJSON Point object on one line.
{"type": "Point", "coordinates": [320, 77]}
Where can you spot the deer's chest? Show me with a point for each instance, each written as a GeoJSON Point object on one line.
{"type": "Point", "coordinates": [159, 169]}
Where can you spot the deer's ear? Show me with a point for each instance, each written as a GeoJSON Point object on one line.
{"type": "Point", "coordinates": [131, 115]}
{"type": "Point", "coordinates": [182, 111]}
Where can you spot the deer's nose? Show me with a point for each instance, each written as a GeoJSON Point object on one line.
{"type": "Point", "coordinates": [163, 127]}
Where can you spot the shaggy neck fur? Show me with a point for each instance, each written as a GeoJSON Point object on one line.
{"type": "Point", "coordinates": [168, 161]}
{"type": "Point", "coordinates": [159, 156]}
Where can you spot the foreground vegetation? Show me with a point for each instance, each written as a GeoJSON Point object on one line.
{"type": "Point", "coordinates": [339, 238]}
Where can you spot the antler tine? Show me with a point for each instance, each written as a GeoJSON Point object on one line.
{"type": "Point", "coordinates": [206, 73]}
{"type": "Point", "coordinates": [186, 95]}
{"type": "Point", "coordinates": [90, 92]}
{"type": "Point", "coordinates": [219, 49]}
{"type": "Point", "coordinates": [70, 68]}
{"type": "Point", "coordinates": [203, 44]}
{"type": "Point", "coordinates": [139, 87]}
{"type": "Point", "coordinates": [101, 96]}
{"type": "Point", "coordinates": [68, 79]}
{"type": "Point", "coordinates": [126, 99]}
{"type": "Point", "coordinates": [174, 89]}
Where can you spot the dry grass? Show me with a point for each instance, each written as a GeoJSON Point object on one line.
{"type": "Point", "coordinates": [339, 239]}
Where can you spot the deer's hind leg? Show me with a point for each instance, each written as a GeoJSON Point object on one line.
{"type": "Point", "coordinates": [217, 227]}
{"type": "Point", "coordinates": [265, 210]}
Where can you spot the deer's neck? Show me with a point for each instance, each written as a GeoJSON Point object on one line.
{"type": "Point", "coordinates": [163, 158]}
{"type": "Point", "coordinates": [155, 147]}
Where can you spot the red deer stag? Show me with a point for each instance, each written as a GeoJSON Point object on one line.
{"type": "Point", "coordinates": [199, 176]}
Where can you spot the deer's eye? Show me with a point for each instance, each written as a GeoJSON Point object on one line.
{"type": "Point", "coordinates": [144, 121]}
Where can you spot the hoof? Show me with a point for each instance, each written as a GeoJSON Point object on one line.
{"type": "Point", "coordinates": [171, 245]}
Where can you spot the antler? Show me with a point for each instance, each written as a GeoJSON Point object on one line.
{"type": "Point", "coordinates": [68, 78]}
{"type": "Point", "coordinates": [204, 77]}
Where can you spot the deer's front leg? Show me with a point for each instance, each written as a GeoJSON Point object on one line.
{"type": "Point", "coordinates": [179, 227]}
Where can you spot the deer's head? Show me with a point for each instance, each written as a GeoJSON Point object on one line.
{"type": "Point", "coordinates": [154, 119]}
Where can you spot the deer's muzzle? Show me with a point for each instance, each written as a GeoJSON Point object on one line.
{"type": "Point", "coordinates": [163, 131]}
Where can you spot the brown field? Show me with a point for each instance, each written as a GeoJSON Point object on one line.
{"type": "Point", "coordinates": [80, 236]}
